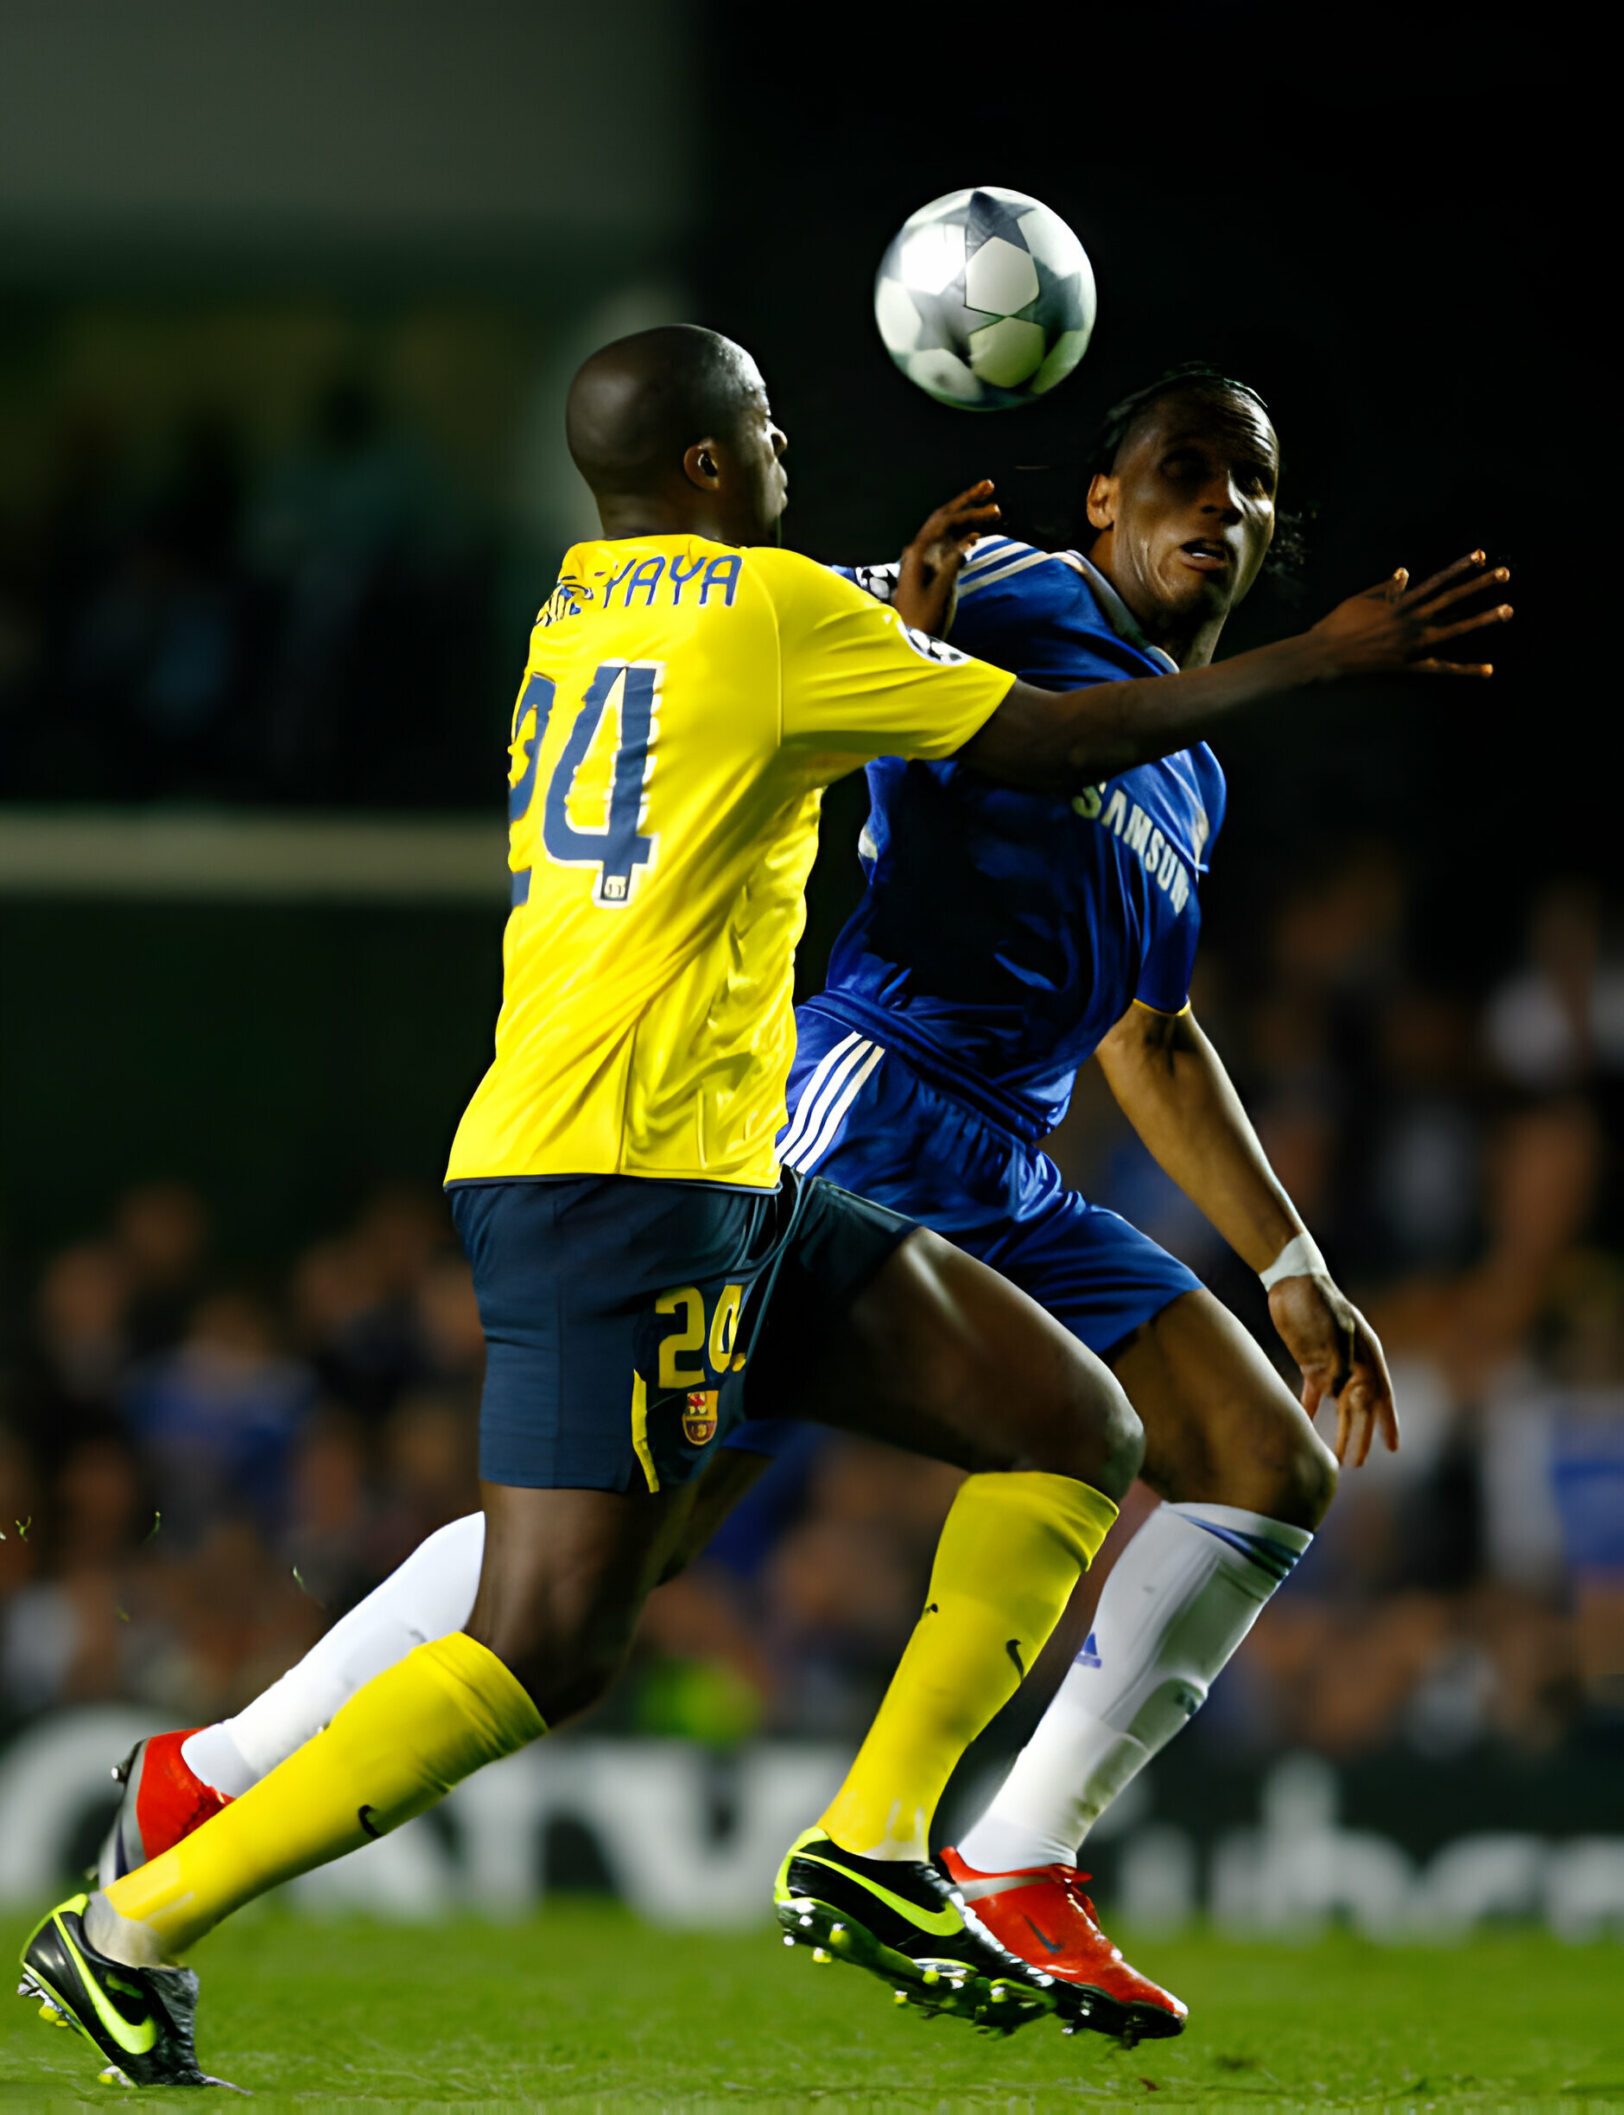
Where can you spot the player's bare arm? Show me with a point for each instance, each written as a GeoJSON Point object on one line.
{"type": "Point", "coordinates": [1053, 741]}
{"type": "Point", "coordinates": [1173, 1088]}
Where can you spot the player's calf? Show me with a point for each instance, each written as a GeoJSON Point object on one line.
{"type": "Point", "coordinates": [565, 1576]}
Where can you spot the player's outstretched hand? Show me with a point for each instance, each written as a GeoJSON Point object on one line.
{"type": "Point", "coordinates": [1396, 628]}
{"type": "Point", "coordinates": [929, 578]}
{"type": "Point", "coordinates": [1340, 1356]}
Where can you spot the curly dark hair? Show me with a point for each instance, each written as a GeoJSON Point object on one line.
{"type": "Point", "coordinates": [1124, 414]}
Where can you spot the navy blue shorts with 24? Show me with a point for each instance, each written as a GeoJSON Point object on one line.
{"type": "Point", "coordinates": [626, 1318]}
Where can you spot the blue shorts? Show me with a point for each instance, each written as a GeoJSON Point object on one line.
{"type": "Point", "coordinates": [628, 1321]}
{"type": "Point", "coordinates": [918, 1147]}
{"type": "Point", "coordinates": [866, 1118]}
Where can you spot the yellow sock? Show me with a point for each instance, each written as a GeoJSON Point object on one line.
{"type": "Point", "coordinates": [1011, 1551]}
{"type": "Point", "coordinates": [397, 1746]}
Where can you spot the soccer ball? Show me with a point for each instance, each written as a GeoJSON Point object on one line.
{"type": "Point", "coordinates": [985, 299]}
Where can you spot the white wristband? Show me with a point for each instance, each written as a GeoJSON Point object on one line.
{"type": "Point", "coordinates": [1300, 1258]}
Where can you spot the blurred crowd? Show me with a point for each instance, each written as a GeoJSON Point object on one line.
{"type": "Point", "coordinates": [1452, 1152]}
{"type": "Point", "coordinates": [214, 622]}
{"type": "Point", "coordinates": [199, 1469]}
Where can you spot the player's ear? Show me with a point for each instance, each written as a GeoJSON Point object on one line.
{"type": "Point", "coordinates": [1102, 493]}
{"type": "Point", "coordinates": [701, 465]}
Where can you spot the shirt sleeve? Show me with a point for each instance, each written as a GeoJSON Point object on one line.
{"type": "Point", "coordinates": [1214, 796]}
{"type": "Point", "coordinates": [1164, 982]}
{"type": "Point", "coordinates": [858, 681]}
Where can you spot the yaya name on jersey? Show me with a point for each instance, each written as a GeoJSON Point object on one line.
{"type": "Point", "coordinates": [683, 707]}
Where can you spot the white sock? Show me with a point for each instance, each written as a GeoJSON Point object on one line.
{"type": "Point", "coordinates": [1181, 1597]}
{"type": "Point", "coordinates": [427, 1597]}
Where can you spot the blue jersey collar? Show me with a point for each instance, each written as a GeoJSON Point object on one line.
{"type": "Point", "coordinates": [1117, 613]}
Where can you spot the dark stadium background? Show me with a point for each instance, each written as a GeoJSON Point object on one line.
{"type": "Point", "coordinates": [288, 297]}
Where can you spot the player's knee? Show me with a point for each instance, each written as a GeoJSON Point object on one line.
{"type": "Point", "coordinates": [1260, 1452]}
{"type": "Point", "coordinates": [1119, 1440]}
{"type": "Point", "coordinates": [1093, 1434]}
{"type": "Point", "coordinates": [1294, 1479]}
{"type": "Point", "coordinates": [1310, 1481]}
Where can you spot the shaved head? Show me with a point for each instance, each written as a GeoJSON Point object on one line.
{"type": "Point", "coordinates": [672, 430]}
{"type": "Point", "coordinates": [638, 404]}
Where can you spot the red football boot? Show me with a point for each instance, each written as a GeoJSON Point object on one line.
{"type": "Point", "coordinates": [163, 1800]}
{"type": "Point", "coordinates": [1043, 1915]}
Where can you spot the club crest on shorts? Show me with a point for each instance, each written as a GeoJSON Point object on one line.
{"type": "Point", "coordinates": [699, 1416]}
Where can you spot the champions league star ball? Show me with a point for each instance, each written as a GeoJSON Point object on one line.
{"type": "Point", "coordinates": [985, 299]}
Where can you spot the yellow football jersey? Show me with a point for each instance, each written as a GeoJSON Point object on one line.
{"type": "Point", "coordinates": [684, 705]}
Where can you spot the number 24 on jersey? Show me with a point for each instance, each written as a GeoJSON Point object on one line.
{"type": "Point", "coordinates": [626, 695]}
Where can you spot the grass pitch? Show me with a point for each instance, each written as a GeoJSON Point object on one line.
{"type": "Point", "coordinates": [584, 2008]}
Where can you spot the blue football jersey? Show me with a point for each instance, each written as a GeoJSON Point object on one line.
{"type": "Point", "coordinates": [1002, 934]}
